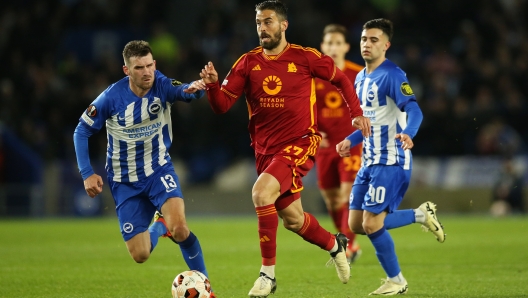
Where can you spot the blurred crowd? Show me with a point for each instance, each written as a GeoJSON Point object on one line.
{"type": "Point", "coordinates": [467, 62]}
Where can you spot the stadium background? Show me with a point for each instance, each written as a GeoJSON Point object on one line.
{"type": "Point", "coordinates": [467, 61]}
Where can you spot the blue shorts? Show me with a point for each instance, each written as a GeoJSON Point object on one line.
{"type": "Point", "coordinates": [379, 188]}
{"type": "Point", "coordinates": [137, 202]}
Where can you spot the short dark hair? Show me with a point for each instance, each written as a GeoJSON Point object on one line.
{"type": "Point", "coordinates": [277, 6]}
{"type": "Point", "coordinates": [136, 48]}
{"type": "Point", "coordinates": [335, 28]}
{"type": "Point", "coordinates": [382, 24]}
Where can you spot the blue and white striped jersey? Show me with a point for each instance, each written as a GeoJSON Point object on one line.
{"type": "Point", "coordinates": [139, 130]}
{"type": "Point", "coordinates": [383, 95]}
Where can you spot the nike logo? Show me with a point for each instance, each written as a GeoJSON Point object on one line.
{"type": "Point", "coordinates": [169, 190]}
{"type": "Point", "coordinates": [190, 258]}
{"type": "Point", "coordinates": [435, 227]}
{"type": "Point", "coordinates": [121, 118]}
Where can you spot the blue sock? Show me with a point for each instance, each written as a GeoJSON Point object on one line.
{"type": "Point", "coordinates": [399, 218]}
{"type": "Point", "coordinates": [192, 254]}
{"type": "Point", "coordinates": [382, 242]}
{"type": "Point", "coordinates": [156, 230]}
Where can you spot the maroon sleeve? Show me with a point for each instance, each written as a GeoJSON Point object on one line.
{"type": "Point", "coordinates": [221, 98]}
{"type": "Point", "coordinates": [324, 68]}
{"type": "Point", "coordinates": [348, 92]}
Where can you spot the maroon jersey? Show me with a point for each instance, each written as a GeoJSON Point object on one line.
{"type": "Point", "coordinates": [332, 113]}
{"type": "Point", "coordinates": [280, 93]}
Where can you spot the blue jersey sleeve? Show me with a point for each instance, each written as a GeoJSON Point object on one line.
{"type": "Point", "coordinates": [399, 88]}
{"type": "Point", "coordinates": [98, 111]}
{"type": "Point", "coordinates": [174, 89]}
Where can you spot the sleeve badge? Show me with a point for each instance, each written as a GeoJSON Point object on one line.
{"type": "Point", "coordinates": [175, 83]}
{"type": "Point", "coordinates": [91, 111]}
{"type": "Point", "coordinates": [406, 89]}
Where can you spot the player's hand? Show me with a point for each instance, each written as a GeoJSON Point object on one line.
{"type": "Point", "coordinates": [363, 124]}
{"type": "Point", "coordinates": [407, 142]}
{"type": "Point", "coordinates": [93, 185]}
{"type": "Point", "coordinates": [209, 74]}
{"type": "Point", "coordinates": [324, 141]}
{"type": "Point", "coordinates": [343, 148]}
{"type": "Point", "coordinates": [195, 86]}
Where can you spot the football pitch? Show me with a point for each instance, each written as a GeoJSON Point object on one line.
{"type": "Point", "coordinates": [482, 257]}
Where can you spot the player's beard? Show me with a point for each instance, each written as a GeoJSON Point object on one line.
{"type": "Point", "coordinates": [274, 42]}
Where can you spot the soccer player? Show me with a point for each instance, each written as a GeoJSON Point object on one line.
{"type": "Point", "coordinates": [278, 79]}
{"type": "Point", "coordinates": [335, 174]}
{"type": "Point", "coordinates": [388, 100]}
{"type": "Point", "coordinates": [137, 114]}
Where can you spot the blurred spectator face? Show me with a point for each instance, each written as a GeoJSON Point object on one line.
{"type": "Point", "coordinates": [373, 44]}
{"type": "Point", "coordinates": [270, 29]}
{"type": "Point", "coordinates": [140, 70]}
{"type": "Point", "coordinates": [335, 46]}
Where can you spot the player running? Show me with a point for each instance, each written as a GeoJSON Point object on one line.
{"type": "Point", "coordinates": [335, 174]}
{"type": "Point", "coordinates": [278, 79]}
{"type": "Point", "coordinates": [137, 114]}
{"type": "Point", "coordinates": [388, 100]}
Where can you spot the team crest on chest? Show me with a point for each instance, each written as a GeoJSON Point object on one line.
{"type": "Point", "coordinates": [155, 106]}
{"type": "Point", "coordinates": [292, 67]}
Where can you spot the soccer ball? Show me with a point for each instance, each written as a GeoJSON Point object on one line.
{"type": "Point", "coordinates": [191, 284]}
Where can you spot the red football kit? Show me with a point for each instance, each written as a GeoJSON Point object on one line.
{"type": "Point", "coordinates": [280, 95]}
{"type": "Point", "coordinates": [334, 120]}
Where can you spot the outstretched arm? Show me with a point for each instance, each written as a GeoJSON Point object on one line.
{"type": "Point", "coordinates": [221, 101]}
{"type": "Point", "coordinates": [348, 92]}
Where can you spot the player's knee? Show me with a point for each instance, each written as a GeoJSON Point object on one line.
{"type": "Point", "coordinates": [370, 226]}
{"type": "Point", "coordinates": [356, 228]}
{"type": "Point", "coordinates": [293, 224]}
{"type": "Point", "coordinates": [261, 197]}
{"type": "Point", "coordinates": [140, 256]}
{"type": "Point", "coordinates": [179, 232]}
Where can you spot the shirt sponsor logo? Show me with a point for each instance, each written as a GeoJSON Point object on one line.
{"type": "Point", "coordinates": [272, 85]}
{"type": "Point", "coordinates": [406, 89]}
{"type": "Point", "coordinates": [371, 115]}
{"type": "Point", "coordinates": [144, 131]}
{"type": "Point", "coordinates": [270, 102]}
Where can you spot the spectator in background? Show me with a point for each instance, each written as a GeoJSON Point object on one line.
{"type": "Point", "coordinates": [507, 197]}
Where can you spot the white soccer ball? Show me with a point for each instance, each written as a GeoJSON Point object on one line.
{"type": "Point", "coordinates": [191, 284]}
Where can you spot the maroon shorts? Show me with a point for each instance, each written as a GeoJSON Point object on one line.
{"type": "Point", "coordinates": [333, 169]}
{"type": "Point", "coordinates": [288, 166]}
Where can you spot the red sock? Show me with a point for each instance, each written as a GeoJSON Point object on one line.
{"type": "Point", "coordinates": [344, 228]}
{"type": "Point", "coordinates": [337, 217]}
{"type": "Point", "coordinates": [267, 228]}
{"type": "Point", "coordinates": [312, 232]}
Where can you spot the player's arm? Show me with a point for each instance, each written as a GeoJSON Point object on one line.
{"type": "Point", "coordinates": [93, 183]}
{"type": "Point", "coordinates": [90, 122]}
{"type": "Point", "coordinates": [354, 139]}
{"type": "Point", "coordinates": [222, 98]}
{"type": "Point", "coordinates": [404, 97]}
{"type": "Point", "coordinates": [324, 68]}
{"type": "Point", "coordinates": [178, 91]}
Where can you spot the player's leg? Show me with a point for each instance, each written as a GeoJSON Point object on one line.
{"type": "Point", "coordinates": [264, 193]}
{"type": "Point", "coordinates": [165, 193]}
{"type": "Point", "coordinates": [307, 226]}
{"type": "Point", "coordinates": [329, 185]}
{"type": "Point", "coordinates": [386, 188]}
{"type": "Point", "coordinates": [174, 213]}
{"type": "Point", "coordinates": [134, 212]}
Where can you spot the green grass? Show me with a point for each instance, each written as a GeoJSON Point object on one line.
{"type": "Point", "coordinates": [482, 257]}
